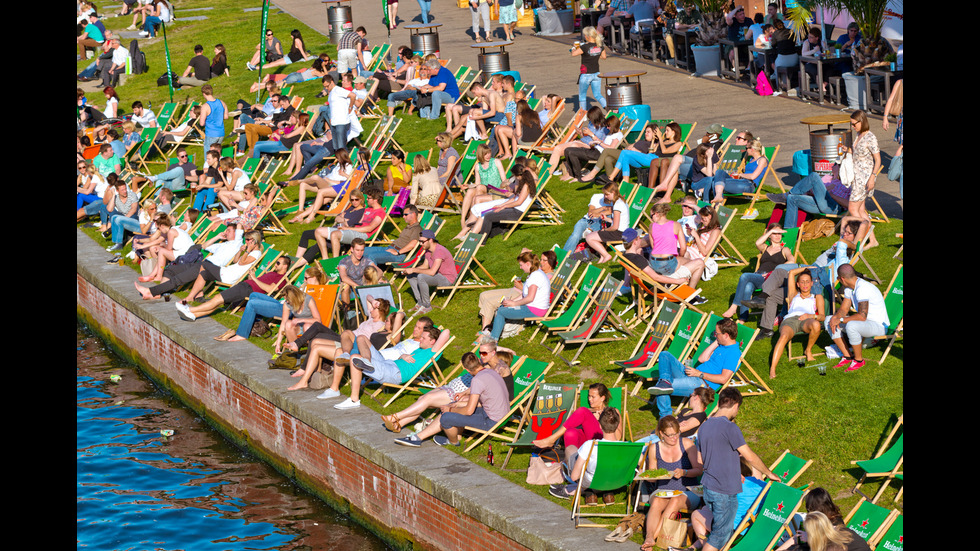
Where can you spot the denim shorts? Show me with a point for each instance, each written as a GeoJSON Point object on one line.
{"type": "Point", "coordinates": [478, 420]}
{"type": "Point", "coordinates": [664, 267]}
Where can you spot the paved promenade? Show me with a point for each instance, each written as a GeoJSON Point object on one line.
{"type": "Point", "coordinates": [547, 64]}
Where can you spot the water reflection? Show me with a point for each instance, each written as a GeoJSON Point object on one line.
{"type": "Point", "coordinates": [137, 489]}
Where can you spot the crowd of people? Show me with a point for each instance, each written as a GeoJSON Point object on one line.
{"type": "Point", "coordinates": [670, 250]}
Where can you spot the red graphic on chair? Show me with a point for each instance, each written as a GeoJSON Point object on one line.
{"type": "Point", "coordinates": [544, 426]}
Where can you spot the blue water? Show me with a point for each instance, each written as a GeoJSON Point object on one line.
{"type": "Point", "coordinates": [137, 489]}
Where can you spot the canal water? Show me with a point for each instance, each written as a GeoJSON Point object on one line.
{"type": "Point", "coordinates": [137, 489]}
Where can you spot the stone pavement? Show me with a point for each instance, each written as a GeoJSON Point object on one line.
{"type": "Point", "coordinates": [671, 93]}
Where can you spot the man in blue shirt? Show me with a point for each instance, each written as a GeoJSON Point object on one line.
{"type": "Point", "coordinates": [718, 363]}
{"type": "Point", "coordinates": [442, 85]}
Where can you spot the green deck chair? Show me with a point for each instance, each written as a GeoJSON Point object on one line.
{"type": "Point", "coordinates": [551, 406]}
{"type": "Point", "coordinates": [868, 520]}
{"type": "Point", "coordinates": [789, 467]}
{"type": "Point", "coordinates": [572, 311]}
{"type": "Point", "coordinates": [885, 464]}
{"type": "Point", "coordinates": [651, 342]}
{"type": "Point", "coordinates": [588, 331]}
{"type": "Point", "coordinates": [894, 537]}
{"type": "Point", "coordinates": [895, 306]}
{"type": "Point", "coordinates": [616, 464]}
{"type": "Point", "coordinates": [471, 274]}
{"type": "Point", "coordinates": [779, 504]}
{"type": "Point", "coordinates": [617, 401]}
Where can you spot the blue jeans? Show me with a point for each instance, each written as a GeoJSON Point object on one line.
{"type": "Point", "coordinates": [426, 7]}
{"type": "Point", "coordinates": [208, 140]}
{"type": "Point", "coordinates": [172, 179]}
{"type": "Point", "coordinates": [672, 371]}
{"type": "Point", "coordinates": [629, 158]}
{"type": "Point", "coordinates": [89, 72]}
{"type": "Point", "coordinates": [798, 199]}
{"type": "Point", "coordinates": [267, 146]}
{"type": "Point", "coordinates": [723, 509]}
{"type": "Point", "coordinates": [586, 81]}
{"type": "Point", "coordinates": [152, 21]}
{"type": "Point", "coordinates": [584, 223]}
{"type": "Point", "coordinates": [747, 283]}
{"type": "Point", "coordinates": [731, 185]}
{"type": "Point", "coordinates": [402, 95]}
{"type": "Point", "coordinates": [339, 133]}
{"type": "Point", "coordinates": [205, 197]}
{"type": "Point", "coordinates": [259, 304]}
{"type": "Point", "coordinates": [508, 313]}
{"type": "Point", "coordinates": [122, 223]}
{"type": "Point", "coordinates": [312, 155]}
{"type": "Point", "coordinates": [438, 99]}
{"type": "Point", "coordinates": [380, 255]}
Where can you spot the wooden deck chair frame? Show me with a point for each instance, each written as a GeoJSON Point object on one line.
{"type": "Point", "coordinates": [892, 535]}
{"type": "Point", "coordinates": [890, 457]}
{"type": "Point", "coordinates": [539, 212]}
{"type": "Point", "coordinates": [411, 383]}
{"type": "Point", "coordinates": [501, 429]}
{"type": "Point", "coordinates": [640, 280]}
{"type": "Point", "coordinates": [560, 288]}
{"type": "Point", "coordinates": [652, 341]}
{"type": "Point", "coordinates": [601, 315]}
{"type": "Point", "coordinates": [688, 327]}
{"type": "Point", "coordinates": [548, 129]}
{"type": "Point", "coordinates": [467, 268]}
{"type": "Point", "coordinates": [869, 520]}
{"type": "Point", "coordinates": [633, 452]}
{"type": "Point", "coordinates": [726, 254]}
{"type": "Point", "coordinates": [148, 136]}
{"type": "Point", "coordinates": [544, 417]}
{"type": "Point", "coordinates": [894, 303]}
{"type": "Point", "coordinates": [566, 134]}
{"type": "Point", "coordinates": [760, 515]}
{"type": "Point", "coordinates": [577, 304]}
{"type": "Point", "coordinates": [341, 201]}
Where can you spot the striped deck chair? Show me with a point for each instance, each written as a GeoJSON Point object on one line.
{"type": "Point", "coordinates": [527, 373]}
{"type": "Point", "coordinates": [551, 404]}
{"type": "Point", "coordinates": [589, 331]}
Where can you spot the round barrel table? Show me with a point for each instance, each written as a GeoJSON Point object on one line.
{"type": "Point", "coordinates": [424, 38]}
{"type": "Point", "coordinates": [826, 144]}
{"type": "Point", "coordinates": [339, 19]}
{"type": "Point", "coordinates": [491, 62]}
{"type": "Point", "coordinates": [620, 90]}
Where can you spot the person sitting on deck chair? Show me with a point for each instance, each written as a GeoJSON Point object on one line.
{"type": "Point", "coordinates": [585, 464]}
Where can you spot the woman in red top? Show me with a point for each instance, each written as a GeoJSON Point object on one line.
{"type": "Point", "coordinates": [374, 216]}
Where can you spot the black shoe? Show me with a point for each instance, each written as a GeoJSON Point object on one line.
{"type": "Point", "coordinates": [754, 303]}
{"type": "Point", "coordinates": [778, 198]}
{"type": "Point", "coordinates": [765, 333]}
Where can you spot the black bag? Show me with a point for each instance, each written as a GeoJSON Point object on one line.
{"type": "Point", "coordinates": [192, 255]}
{"type": "Point", "coordinates": [139, 65]}
{"type": "Point", "coordinates": [424, 100]}
{"type": "Point", "coordinates": [261, 328]}
{"type": "Point", "coordinates": [162, 81]}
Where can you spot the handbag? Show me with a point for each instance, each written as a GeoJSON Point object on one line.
{"type": "Point", "coordinates": [895, 168]}
{"type": "Point", "coordinates": [320, 380]}
{"type": "Point", "coordinates": [675, 532]}
{"type": "Point", "coordinates": [847, 170]}
{"type": "Point", "coordinates": [401, 201]}
{"type": "Point", "coordinates": [545, 468]}
{"type": "Point", "coordinates": [149, 264]}
{"type": "Point", "coordinates": [897, 93]}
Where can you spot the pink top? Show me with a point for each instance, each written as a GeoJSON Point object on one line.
{"type": "Point", "coordinates": [664, 239]}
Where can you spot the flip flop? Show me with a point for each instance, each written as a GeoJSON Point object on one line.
{"type": "Point", "coordinates": [391, 426]}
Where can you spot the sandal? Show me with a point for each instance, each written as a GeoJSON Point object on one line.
{"type": "Point", "coordinates": [625, 536]}
{"type": "Point", "coordinates": [391, 423]}
{"type": "Point", "coordinates": [616, 533]}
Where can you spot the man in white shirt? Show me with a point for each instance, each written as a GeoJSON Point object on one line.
{"type": "Point", "coordinates": [871, 319]}
{"type": "Point", "coordinates": [142, 116]}
{"type": "Point", "coordinates": [223, 248]}
{"type": "Point", "coordinates": [111, 69]}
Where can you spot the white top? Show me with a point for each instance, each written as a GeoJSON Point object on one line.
{"type": "Point", "coordinates": [182, 243]}
{"type": "Point", "coordinates": [145, 119]}
{"type": "Point", "coordinates": [542, 295]}
{"type": "Point", "coordinates": [609, 140]}
{"type": "Point", "coordinates": [224, 251]}
{"type": "Point", "coordinates": [100, 184]}
{"type": "Point", "coordinates": [799, 306]}
{"type": "Point", "coordinates": [339, 100]}
{"type": "Point", "coordinates": [111, 107]}
{"type": "Point", "coordinates": [232, 273]}
{"type": "Point", "coordinates": [417, 82]}
{"type": "Point", "coordinates": [242, 180]}
{"type": "Point", "coordinates": [120, 55]}
{"type": "Point", "coordinates": [624, 214]}
{"type": "Point", "coordinates": [865, 291]}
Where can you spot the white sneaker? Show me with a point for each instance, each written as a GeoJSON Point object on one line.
{"type": "Point", "coordinates": [348, 404]}
{"type": "Point", "coordinates": [144, 33]}
{"type": "Point", "coordinates": [327, 394]}
{"type": "Point", "coordinates": [185, 311]}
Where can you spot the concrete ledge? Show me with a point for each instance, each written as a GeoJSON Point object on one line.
{"type": "Point", "coordinates": [504, 515]}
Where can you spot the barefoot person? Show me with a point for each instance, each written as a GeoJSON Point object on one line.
{"type": "Point", "coordinates": [806, 313]}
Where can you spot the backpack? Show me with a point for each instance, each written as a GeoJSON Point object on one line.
{"type": "Point", "coordinates": [762, 85]}
{"type": "Point", "coordinates": [138, 58]}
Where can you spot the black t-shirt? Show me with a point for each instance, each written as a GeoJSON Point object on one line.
{"type": "Point", "coordinates": [218, 67]}
{"type": "Point", "coordinates": [590, 57]}
{"type": "Point", "coordinates": [736, 31]}
{"type": "Point", "coordinates": [202, 69]}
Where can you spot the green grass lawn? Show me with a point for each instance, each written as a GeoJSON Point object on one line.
{"type": "Point", "coordinates": [831, 419]}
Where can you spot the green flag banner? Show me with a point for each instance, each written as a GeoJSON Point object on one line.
{"type": "Point", "coordinates": [265, 22]}
{"type": "Point", "coordinates": [166, 49]}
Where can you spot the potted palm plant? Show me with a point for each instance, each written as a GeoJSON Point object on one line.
{"type": "Point", "coordinates": [707, 52]}
{"type": "Point", "coordinates": [870, 51]}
